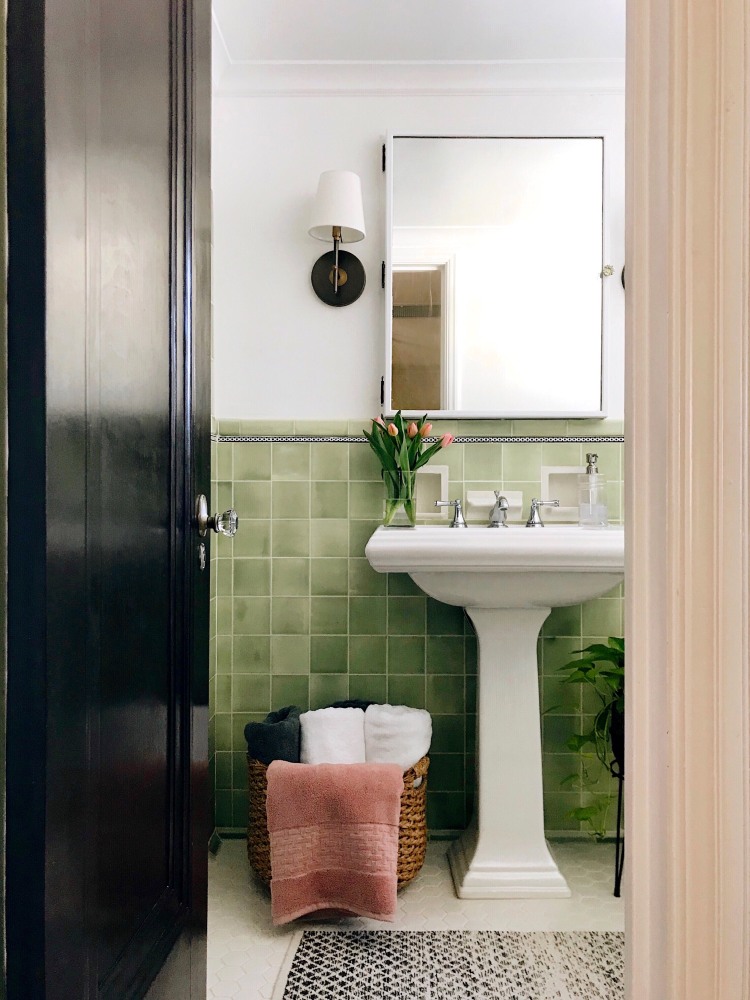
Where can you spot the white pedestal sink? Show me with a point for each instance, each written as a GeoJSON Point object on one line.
{"type": "Point", "coordinates": [508, 579]}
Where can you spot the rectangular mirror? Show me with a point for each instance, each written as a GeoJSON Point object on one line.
{"type": "Point", "coordinates": [495, 259]}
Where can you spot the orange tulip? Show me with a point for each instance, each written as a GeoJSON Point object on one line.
{"type": "Point", "coordinates": [411, 430]}
{"type": "Point", "coordinates": [393, 430]}
{"type": "Point", "coordinates": [424, 430]}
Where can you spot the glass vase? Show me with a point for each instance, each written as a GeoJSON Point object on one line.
{"type": "Point", "coordinates": [400, 503]}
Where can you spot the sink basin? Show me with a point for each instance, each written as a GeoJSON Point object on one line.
{"type": "Point", "coordinates": [514, 567]}
{"type": "Point", "coordinates": [508, 579]}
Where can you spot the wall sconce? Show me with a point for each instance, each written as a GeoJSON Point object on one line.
{"type": "Point", "coordinates": [338, 277]}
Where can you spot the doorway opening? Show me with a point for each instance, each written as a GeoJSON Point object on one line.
{"type": "Point", "coordinates": [300, 618]}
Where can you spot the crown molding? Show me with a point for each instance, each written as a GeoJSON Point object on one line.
{"type": "Point", "coordinates": [392, 78]}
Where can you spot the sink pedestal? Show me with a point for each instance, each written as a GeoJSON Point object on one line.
{"type": "Point", "coordinates": [508, 580]}
{"type": "Point", "coordinates": [503, 853]}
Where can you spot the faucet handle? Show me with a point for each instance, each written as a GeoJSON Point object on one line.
{"type": "Point", "coordinates": [535, 519]}
{"type": "Point", "coordinates": [499, 513]}
{"type": "Point", "coordinates": [458, 514]}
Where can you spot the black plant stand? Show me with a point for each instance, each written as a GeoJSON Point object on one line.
{"type": "Point", "coordinates": [619, 842]}
{"type": "Point", "coordinates": [617, 770]}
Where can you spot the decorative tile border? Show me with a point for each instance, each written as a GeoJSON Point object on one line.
{"type": "Point", "coordinates": [458, 439]}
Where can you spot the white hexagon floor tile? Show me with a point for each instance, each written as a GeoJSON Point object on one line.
{"type": "Point", "coordinates": [245, 951]}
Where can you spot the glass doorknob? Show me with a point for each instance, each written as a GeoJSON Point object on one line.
{"type": "Point", "coordinates": [226, 523]}
{"type": "Point", "coordinates": [223, 524]}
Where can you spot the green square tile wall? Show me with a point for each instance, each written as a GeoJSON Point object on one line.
{"type": "Point", "coordinates": [299, 617]}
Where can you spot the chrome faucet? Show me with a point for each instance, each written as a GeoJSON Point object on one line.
{"type": "Point", "coordinates": [458, 514]}
{"type": "Point", "coordinates": [499, 513]}
{"type": "Point", "coordinates": [535, 519]}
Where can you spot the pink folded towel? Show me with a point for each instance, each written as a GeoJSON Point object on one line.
{"type": "Point", "coordinates": [334, 838]}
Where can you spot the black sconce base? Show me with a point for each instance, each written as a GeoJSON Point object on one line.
{"type": "Point", "coordinates": [351, 278]}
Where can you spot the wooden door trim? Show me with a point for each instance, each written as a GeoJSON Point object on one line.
{"type": "Point", "coordinates": [688, 500]}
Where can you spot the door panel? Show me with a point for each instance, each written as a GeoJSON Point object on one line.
{"type": "Point", "coordinates": [108, 612]}
{"type": "Point", "coordinates": [140, 569]}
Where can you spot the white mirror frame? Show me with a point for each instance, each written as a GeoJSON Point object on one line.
{"type": "Point", "coordinates": [610, 286]}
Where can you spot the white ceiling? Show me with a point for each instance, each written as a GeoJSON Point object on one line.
{"type": "Point", "coordinates": [420, 30]}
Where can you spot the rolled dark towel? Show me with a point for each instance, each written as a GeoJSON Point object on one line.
{"type": "Point", "coordinates": [352, 703]}
{"type": "Point", "coordinates": [276, 738]}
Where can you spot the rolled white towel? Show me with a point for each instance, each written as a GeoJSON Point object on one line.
{"type": "Point", "coordinates": [397, 734]}
{"type": "Point", "coordinates": [333, 736]}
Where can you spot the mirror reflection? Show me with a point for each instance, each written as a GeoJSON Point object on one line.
{"type": "Point", "coordinates": [496, 261]}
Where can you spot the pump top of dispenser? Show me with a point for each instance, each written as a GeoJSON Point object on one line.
{"type": "Point", "coordinates": [592, 499]}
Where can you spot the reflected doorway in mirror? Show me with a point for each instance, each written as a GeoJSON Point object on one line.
{"type": "Point", "coordinates": [422, 352]}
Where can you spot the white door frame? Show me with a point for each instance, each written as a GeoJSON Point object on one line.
{"type": "Point", "coordinates": [687, 497]}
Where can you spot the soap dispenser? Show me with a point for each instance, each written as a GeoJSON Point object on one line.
{"type": "Point", "coordinates": [592, 496]}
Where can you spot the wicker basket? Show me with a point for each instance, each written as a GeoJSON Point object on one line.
{"type": "Point", "coordinates": [412, 833]}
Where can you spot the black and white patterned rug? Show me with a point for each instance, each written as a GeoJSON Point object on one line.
{"type": "Point", "coordinates": [453, 965]}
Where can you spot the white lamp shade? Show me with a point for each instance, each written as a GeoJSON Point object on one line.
{"type": "Point", "coordinates": [338, 203]}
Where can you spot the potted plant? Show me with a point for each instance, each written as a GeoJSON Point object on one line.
{"type": "Point", "coordinates": [602, 667]}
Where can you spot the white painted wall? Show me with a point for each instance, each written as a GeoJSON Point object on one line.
{"type": "Point", "coordinates": [278, 351]}
{"type": "Point", "coordinates": [421, 30]}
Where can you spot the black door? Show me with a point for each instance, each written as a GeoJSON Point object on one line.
{"type": "Point", "coordinates": [108, 355]}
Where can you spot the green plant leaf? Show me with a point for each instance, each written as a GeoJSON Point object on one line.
{"type": "Point", "coordinates": [403, 459]}
{"type": "Point", "coordinates": [603, 668]}
{"type": "Point", "coordinates": [577, 741]}
{"type": "Point", "coordinates": [578, 662]}
{"type": "Point", "coordinates": [584, 813]}
{"type": "Point", "coordinates": [598, 651]}
{"type": "Point", "coordinates": [577, 677]}
{"type": "Point", "coordinates": [427, 454]}
{"type": "Point", "coordinates": [415, 445]}
{"type": "Point", "coordinates": [382, 451]}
